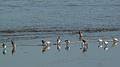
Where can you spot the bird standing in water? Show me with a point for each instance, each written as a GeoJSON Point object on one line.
{"type": "Point", "coordinates": [46, 46]}
{"type": "Point", "coordinates": [80, 35]}
{"type": "Point", "coordinates": [84, 45]}
{"type": "Point", "coordinates": [4, 48]}
{"type": "Point", "coordinates": [100, 43]}
{"type": "Point", "coordinates": [66, 45]}
{"type": "Point", "coordinates": [13, 47]}
{"type": "Point", "coordinates": [105, 45]}
{"type": "Point", "coordinates": [58, 43]}
{"type": "Point", "coordinates": [115, 42]}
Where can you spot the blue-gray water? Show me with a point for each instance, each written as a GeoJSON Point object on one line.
{"type": "Point", "coordinates": [27, 22]}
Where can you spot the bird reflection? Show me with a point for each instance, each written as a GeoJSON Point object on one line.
{"type": "Point", "coordinates": [114, 44]}
{"type": "Point", "coordinates": [4, 51]}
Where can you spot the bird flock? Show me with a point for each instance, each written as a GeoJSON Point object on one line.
{"type": "Point", "coordinates": [46, 45]}
{"type": "Point", "coordinates": [84, 46]}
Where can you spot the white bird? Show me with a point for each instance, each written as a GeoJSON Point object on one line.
{"type": "Point", "coordinates": [58, 43]}
{"type": "Point", "coordinates": [100, 43]}
{"type": "Point", "coordinates": [4, 49]}
{"type": "Point", "coordinates": [46, 46]}
{"type": "Point", "coordinates": [115, 40]}
{"type": "Point", "coordinates": [106, 42]}
{"type": "Point", "coordinates": [58, 40]}
{"type": "Point", "coordinates": [4, 46]}
{"type": "Point", "coordinates": [105, 45]}
{"type": "Point", "coordinates": [45, 43]}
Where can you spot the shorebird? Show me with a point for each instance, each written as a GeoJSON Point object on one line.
{"type": "Point", "coordinates": [105, 45]}
{"type": "Point", "coordinates": [80, 35]}
{"type": "Point", "coordinates": [4, 49]}
{"type": "Point", "coordinates": [44, 43]}
{"type": "Point", "coordinates": [4, 46]}
{"type": "Point", "coordinates": [58, 43]}
{"type": "Point", "coordinates": [13, 47]}
{"type": "Point", "coordinates": [66, 45]}
{"type": "Point", "coordinates": [84, 45]}
{"type": "Point", "coordinates": [100, 43]}
{"type": "Point", "coordinates": [46, 46]}
{"type": "Point", "coordinates": [115, 40]}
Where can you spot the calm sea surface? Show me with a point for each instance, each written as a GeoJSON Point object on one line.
{"type": "Point", "coordinates": [27, 22]}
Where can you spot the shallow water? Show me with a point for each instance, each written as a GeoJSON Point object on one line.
{"type": "Point", "coordinates": [27, 22]}
{"type": "Point", "coordinates": [28, 52]}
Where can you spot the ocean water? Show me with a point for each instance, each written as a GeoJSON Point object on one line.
{"type": "Point", "coordinates": [80, 14]}
{"type": "Point", "coordinates": [27, 22]}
